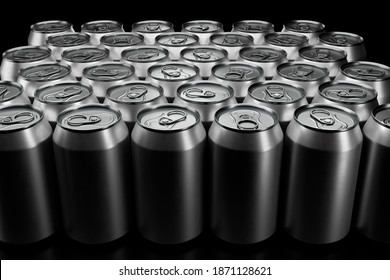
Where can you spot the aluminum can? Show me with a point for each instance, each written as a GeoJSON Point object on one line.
{"type": "Point", "coordinates": [117, 42]}
{"type": "Point", "coordinates": [372, 207]}
{"type": "Point", "coordinates": [359, 98]}
{"type": "Point", "coordinates": [268, 58]}
{"type": "Point", "coordinates": [311, 29]}
{"type": "Point", "coordinates": [144, 57]}
{"type": "Point", "coordinates": [255, 28]}
{"type": "Point", "coordinates": [131, 97]}
{"type": "Point", "coordinates": [55, 97]}
{"type": "Point", "coordinates": [251, 137]}
{"type": "Point", "coordinates": [308, 76]}
{"type": "Point", "coordinates": [92, 152]}
{"type": "Point", "coordinates": [169, 205]}
{"type": "Point", "coordinates": [40, 31]}
{"type": "Point", "coordinates": [171, 75]}
{"type": "Point", "coordinates": [283, 98]}
{"type": "Point", "coordinates": [238, 75]}
{"type": "Point", "coordinates": [206, 98]}
{"type": "Point", "coordinates": [232, 42]}
{"type": "Point", "coordinates": [368, 73]}
{"type": "Point", "coordinates": [151, 28]}
{"type": "Point", "coordinates": [175, 42]}
{"type": "Point", "coordinates": [22, 57]}
{"type": "Point", "coordinates": [97, 29]}
{"type": "Point", "coordinates": [12, 93]}
{"type": "Point", "coordinates": [287, 41]}
{"type": "Point", "coordinates": [322, 146]}
{"type": "Point", "coordinates": [203, 57]}
{"type": "Point", "coordinates": [352, 44]}
{"type": "Point", "coordinates": [29, 195]}
{"type": "Point", "coordinates": [66, 41]}
{"type": "Point", "coordinates": [203, 29]}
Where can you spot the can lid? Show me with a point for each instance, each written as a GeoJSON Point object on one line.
{"type": "Point", "coordinates": [168, 118]}
{"type": "Point", "coordinates": [235, 71]}
{"type": "Point", "coordinates": [381, 114]}
{"type": "Point", "coordinates": [122, 39]}
{"type": "Point", "coordinates": [349, 93]}
{"type": "Point", "coordinates": [45, 72]}
{"type": "Point", "coordinates": [231, 39]}
{"type": "Point", "coordinates": [145, 54]}
{"type": "Point", "coordinates": [262, 54]}
{"type": "Point", "coordinates": [177, 39]}
{"type": "Point", "coordinates": [27, 54]}
{"type": "Point", "coordinates": [69, 39]}
{"type": "Point", "coordinates": [152, 26]}
{"type": "Point", "coordinates": [108, 72]}
{"type": "Point", "coordinates": [304, 26]}
{"type": "Point", "coordinates": [51, 26]}
{"type": "Point", "coordinates": [89, 117]}
{"type": "Point", "coordinates": [203, 54]}
{"type": "Point", "coordinates": [276, 92]}
{"type": "Point", "coordinates": [18, 117]}
{"type": "Point", "coordinates": [253, 26]}
{"type": "Point", "coordinates": [342, 39]}
{"type": "Point", "coordinates": [63, 93]}
{"type": "Point", "coordinates": [134, 92]}
{"type": "Point", "coordinates": [204, 92]}
{"type": "Point", "coordinates": [172, 71]}
{"type": "Point", "coordinates": [85, 54]}
{"type": "Point", "coordinates": [365, 70]}
{"type": "Point", "coordinates": [325, 117]}
{"type": "Point", "coordinates": [286, 39]}
{"type": "Point", "coordinates": [9, 90]}
{"type": "Point", "coordinates": [301, 71]}
{"type": "Point", "coordinates": [102, 26]}
{"type": "Point", "coordinates": [202, 26]}
{"type": "Point", "coordinates": [322, 54]}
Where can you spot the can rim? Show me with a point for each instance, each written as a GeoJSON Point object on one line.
{"type": "Point", "coordinates": [165, 51]}
{"type": "Point", "coordinates": [193, 36]}
{"type": "Point", "coordinates": [305, 39]}
{"type": "Point", "coordinates": [280, 50]}
{"type": "Point", "coordinates": [30, 107]}
{"type": "Point", "coordinates": [182, 52]}
{"type": "Point", "coordinates": [86, 69]}
{"type": "Point", "coordinates": [112, 34]}
{"type": "Point", "coordinates": [324, 69]}
{"type": "Point", "coordinates": [120, 24]}
{"type": "Point", "coordinates": [376, 110]}
{"type": "Point", "coordinates": [64, 34]}
{"type": "Point", "coordinates": [67, 67]}
{"type": "Point", "coordinates": [151, 68]}
{"type": "Point", "coordinates": [219, 65]}
{"type": "Point", "coordinates": [156, 86]}
{"type": "Point", "coordinates": [296, 86]}
{"type": "Point", "coordinates": [249, 37]}
{"type": "Point", "coordinates": [32, 26]}
{"type": "Point", "coordinates": [271, 25]}
{"type": "Point", "coordinates": [322, 26]}
{"type": "Point", "coordinates": [27, 47]}
{"type": "Point", "coordinates": [107, 52]}
{"type": "Point", "coordinates": [311, 47]}
{"type": "Point", "coordinates": [139, 23]}
{"type": "Point", "coordinates": [342, 70]}
{"type": "Point", "coordinates": [15, 84]}
{"type": "Point", "coordinates": [189, 23]}
{"type": "Point", "coordinates": [361, 39]}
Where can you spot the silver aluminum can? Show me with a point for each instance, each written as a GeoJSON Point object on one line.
{"type": "Point", "coordinates": [232, 42]}
{"type": "Point", "coordinates": [171, 75]}
{"type": "Point", "coordinates": [204, 57]}
{"type": "Point", "coordinates": [65, 41]}
{"type": "Point", "coordinates": [203, 29]}
{"type": "Point", "coordinates": [12, 93]}
{"type": "Point", "coordinates": [255, 28]}
{"type": "Point", "coordinates": [268, 58]}
{"type": "Point", "coordinates": [206, 98]}
{"type": "Point", "coordinates": [311, 29]}
{"type": "Point", "coordinates": [283, 98]}
{"type": "Point", "coordinates": [246, 145]}
{"type": "Point", "coordinates": [97, 29]}
{"type": "Point", "coordinates": [29, 195]}
{"type": "Point", "coordinates": [359, 98]}
{"type": "Point", "coordinates": [40, 31]}
{"type": "Point", "coordinates": [55, 97]}
{"type": "Point", "coordinates": [151, 28]}
{"type": "Point", "coordinates": [238, 75]}
{"type": "Point", "coordinates": [119, 41]}
{"type": "Point", "coordinates": [308, 76]}
{"type": "Point", "coordinates": [322, 146]}
{"type": "Point", "coordinates": [175, 42]}
{"type": "Point", "coordinates": [352, 44]}
{"type": "Point", "coordinates": [287, 41]}
{"type": "Point", "coordinates": [92, 152]}
{"type": "Point", "coordinates": [22, 57]}
{"type": "Point", "coordinates": [169, 140]}
{"type": "Point", "coordinates": [368, 73]}
{"type": "Point", "coordinates": [132, 97]}
{"type": "Point", "coordinates": [144, 57]}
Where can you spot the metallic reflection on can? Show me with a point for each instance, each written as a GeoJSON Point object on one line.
{"type": "Point", "coordinates": [11, 93]}
{"type": "Point", "coordinates": [40, 31]}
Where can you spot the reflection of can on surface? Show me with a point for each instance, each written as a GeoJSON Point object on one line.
{"type": "Point", "coordinates": [255, 28]}
{"type": "Point", "coordinates": [244, 196]}
{"type": "Point", "coordinates": [175, 42]}
{"type": "Point", "coordinates": [287, 41]}
{"type": "Point", "coordinates": [28, 182]}
{"type": "Point", "coordinates": [311, 29]}
{"type": "Point", "coordinates": [11, 93]}
{"type": "Point", "coordinates": [151, 28]}
{"type": "Point", "coordinates": [40, 31]}
{"type": "Point", "coordinates": [322, 148]}
{"type": "Point", "coordinates": [60, 42]}
{"type": "Point", "coordinates": [203, 29]}
{"type": "Point", "coordinates": [169, 140]}
{"type": "Point", "coordinates": [232, 42]}
{"type": "Point", "coordinates": [119, 41]}
{"type": "Point", "coordinates": [97, 29]}
{"type": "Point", "coordinates": [92, 151]}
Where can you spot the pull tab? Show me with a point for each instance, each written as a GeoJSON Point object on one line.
{"type": "Point", "coordinates": [79, 120]}
{"type": "Point", "coordinates": [70, 41]}
{"type": "Point", "coordinates": [199, 93]}
{"type": "Point", "coordinates": [301, 26]}
{"type": "Point", "coordinates": [47, 72]}
{"type": "Point", "coordinates": [263, 55]}
{"type": "Point", "coordinates": [104, 72]}
{"type": "Point", "coordinates": [386, 122]}
{"type": "Point", "coordinates": [178, 40]}
{"type": "Point", "coordinates": [247, 122]}
{"type": "Point", "coordinates": [51, 27]}
{"type": "Point", "coordinates": [285, 40]}
{"type": "Point", "coordinates": [366, 72]}
{"type": "Point", "coordinates": [67, 92]}
{"type": "Point", "coordinates": [301, 72]}
{"type": "Point", "coordinates": [148, 54]}
{"type": "Point", "coordinates": [123, 40]}
{"type": "Point", "coordinates": [340, 40]}
{"type": "Point", "coordinates": [19, 118]}
{"type": "Point", "coordinates": [177, 116]}
{"type": "Point", "coordinates": [275, 91]}
{"type": "Point", "coordinates": [231, 40]}
{"type": "Point", "coordinates": [200, 28]}
{"type": "Point", "coordinates": [85, 56]}
{"type": "Point", "coordinates": [235, 73]}
{"type": "Point", "coordinates": [26, 55]}
{"type": "Point", "coordinates": [201, 54]}
{"type": "Point", "coordinates": [171, 71]}
{"type": "Point", "coordinates": [322, 54]}
{"type": "Point", "coordinates": [3, 92]}
{"type": "Point", "coordinates": [101, 27]}
{"type": "Point", "coordinates": [327, 120]}
{"type": "Point", "coordinates": [153, 27]}
{"type": "Point", "coordinates": [351, 93]}
{"type": "Point", "coordinates": [252, 27]}
{"type": "Point", "coordinates": [136, 92]}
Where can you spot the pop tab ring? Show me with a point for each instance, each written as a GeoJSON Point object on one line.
{"type": "Point", "coordinates": [301, 72]}
{"type": "Point", "coordinates": [386, 122]}
{"type": "Point", "coordinates": [153, 27]}
{"type": "Point", "coordinates": [145, 55]}
{"type": "Point", "coordinates": [46, 73]}
{"type": "Point", "coordinates": [328, 120]}
{"type": "Point", "coordinates": [322, 54]}
{"type": "Point", "coordinates": [285, 40]}
{"type": "Point", "coordinates": [64, 93]}
{"type": "Point", "coordinates": [301, 26]}
{"type": "Point", "coordinates": [238, 73]}
{"type": "Point", "coordinates": [3, 92]}
{"type": "Point", "coordinates": [178, 40]}
{"type": "Point", "coordinates": [52, 27]}
{"type": "Point", "coordinates": [200, 28]}
{"type": "Point", "coordinates": [22, 55]}
{"type": "Point", "coordinates": [246, 121]}
{"type": "Point", "coordinates": [201, 54]}
{"type": "Point", "coordinates": [351, 93]}
{"type": "Point", "coordinates": [88, 56]}
{"type": "Point", "coordinates": [176, 116]}
{"type": "Point", "coordinates": [19, 118]}
{"type": "Point", "coordinates": [134, 92]}
{"type": "Point", "coordinates": [80, 120]}
{"type": "Point", "coordinates": [252, 27]}
{"type": "Point", "coordinates": [232, 40]}
{"type": "Point", "coordinates": [263, 55]}
{"type": "Point", "coordinates": [340, 40]}
{"type": "Point", "coordinates": [275, 91]}
{"type": "Point", "coordinates": [107, 73]}
{"type": "Point", "coordinates": [69, 41]}
{"type": "Point", "coordinates": [199, 93]}
{"type": "Point", "coordinates": [358, 72]}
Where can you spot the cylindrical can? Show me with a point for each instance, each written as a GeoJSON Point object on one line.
{"type": "Point", "coordinates": [92, 152]}
{"type": "Point", "coordinates": [144, 57]}
{"type": "Point", "coordinates": [372, 206]}
{"type": "Point", "coordinates": [22, 57]}
{"type": "Point", "coordinates": [206, 98]}
{"type": "Point", "coordinates": [97, 29]}
{"type": "Point", "coordinates": [104, 75]}
{"type": "Point", "coordinates": [11, 93]}
{"type": "Point", "coordinates": [232, 42]}
{"type": "Point", "coordinates": [132, 97]}
{"type": "Point", "coordinates": [287, 41]}
{"type": "Point", "coordinates": [204, 57]}
{"type": "Point", "coordinates": [359, 98]}
{"type": "Point", "coordinates": [352, 44]}
{"type": "Point", "coordinates": [40, 31]}
{"type": "Point", "coordinates": [38, 75]}
{"type": "Point", "coordinates": [368, 73]}
{"type": "Point", "coordinates": [151, 28]}
{"type": "Point", "coordinates": [268, 58]}
{"type": "Point", "coordinates": [322, 56]}
{"type": "Point", "coordinates": [203, 29]}
{"type": "Point", "coordinates": [311, 29]}
{"type": "Point", "coordinates": [322, 147]}
{"type": "Point", "coordinates": [117, 42]}
{"type": "Point", "coordinates": [175, 42]}
{"type": "Point", "coordinates": [55, 97]}
{"type": "Point", "coordinates": [169, 205]}
{"type": "Point", "coordinates": [29, 195]}
{"type": "Point", "coordinates": [171, 75]}
{"type": "Point", "coordinates": [255, 28]}
{"type": "Point", "coordinates": [246, 145]}
{"type": "Point", "coordinates": [238, 75]}
{"type": "Point", "coordinates": [66, 41]}
{"type": "Point", "coordinates": [284, 98]}
{"type": "Point", "coordinates": [306, 75]}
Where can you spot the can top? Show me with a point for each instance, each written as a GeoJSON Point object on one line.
{"type": "Point", "coordinates": [102, 26]}
{"type": "Point", "coordinates": [286, 39]}
{"type": "Point", "coordinates": [253, 26]}
{"type": "Point", "coordinates": [325, 117]}
{"type": "Point", "coordinates": [341, 39]}
{"type": "Point", "coordinates": [108, 72]}
{"type": "Point", "coordinates": [177, 39]}
{"type": "Point", "coordinates": [276, 92]}
{"type": "Point", "coordinates": [347, 93]}
{"type": "Point", "coordinates": [62, 93]}
{"type": "Point", "coordinates": [173, 71]}
{"type": "Point", "coordinates": [231, 39]}
{"type": "Point", "coordinates": [18, 117]}
{"type": "Point", "coordinates": [137, 92]}
{"type": "Point", "coordinates": [204, 92]}
{"type": "Point", "coordinates": [168, 118]}
{"type": "Point", "coordinates": [122, 39]}
{"type": "Point", "coordinates": [366, 71]}
{"type": "Point", "coordinates": [145, 54]}
{"type": "Point", "coordinates": [322, 54]}
{"type": "Point", "coordinates": [88, 118]}
{"type": "Point", "coordinates": [381, 114]}
{"type": "Point", "coordinates": [51, 26]}
{"type": "Point", "coordinates": [238, 72]}
{"type": "Point", "coordinates": [9, 90]}
{"type": "Point", "coordinates": [203, 54]}
{"type": "Point", "coordinates": [301, 71]}
{"type": "Point", "coordinates": [68, 39]}
{"type": "Point", "coordinates": [45, 72]}
{"type": "Point", "coordinates": [202, 26]}
{"type": "Point", "coordinates": [263, 54]}
{"type": "Point", "coordinates": [27, 54]}
{"type": "Point", "coordinates": [152, 26]}
{"type": "Point", "coordinates": [85, 54]}
{"type": "Point", "coordinates": [304, 26]}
